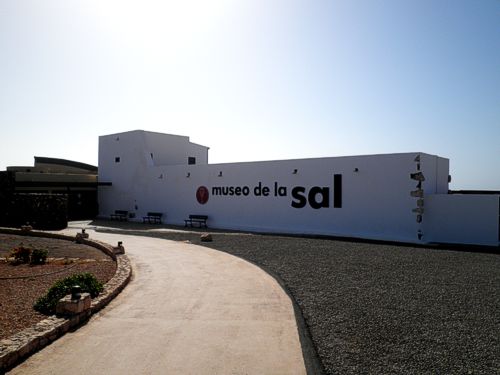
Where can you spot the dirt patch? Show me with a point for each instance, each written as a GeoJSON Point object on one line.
{"type": "Point", "coordinates": [56, 248]}
{"type": "Point", "coordinates": [22, 285]}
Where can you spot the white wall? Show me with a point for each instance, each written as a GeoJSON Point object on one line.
{"type": "Point", "coordinates": [436, 173]}
{"type": "Point", "coordinates": [376, 201]}
{"type": "Point", "coordinates": [462, 218]}
{"type": "Point", "coordinates": [170, 149]}
{"type": "Point", "coordinates": [128, 177]}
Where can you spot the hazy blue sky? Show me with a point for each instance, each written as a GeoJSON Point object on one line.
{"type": "Point", "coordinates": [256, 80]}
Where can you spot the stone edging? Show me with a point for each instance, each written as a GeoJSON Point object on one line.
{"type": "Point", "coordinates": [22, 344]}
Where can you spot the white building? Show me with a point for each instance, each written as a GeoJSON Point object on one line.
{"type": "Point", "coordinates": [396, 197]}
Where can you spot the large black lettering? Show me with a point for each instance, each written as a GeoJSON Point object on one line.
{"type": "Point", "coordinates": [300, 200]}
{"type": "Point", "coordinates": [324, 193]}
{"type": "Point", "coordinates": [231, 190]}
{"type": "Point", "coordinates": [337, 191]}
{"type": "Point", "coordinates": [257, 191]}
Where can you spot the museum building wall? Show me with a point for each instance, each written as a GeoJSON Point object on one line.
{"type": "Point", "coordinates": [396, 197]}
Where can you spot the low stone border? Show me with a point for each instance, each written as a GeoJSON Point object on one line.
{"type": "Point", "coordinates": [23, 344]}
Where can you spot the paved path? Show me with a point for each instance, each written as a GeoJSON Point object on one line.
{"type": "Point", "coordinates": [188, 310]}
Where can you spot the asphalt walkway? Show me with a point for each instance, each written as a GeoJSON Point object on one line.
{"type": "Point", "coordinates": [187, 310]}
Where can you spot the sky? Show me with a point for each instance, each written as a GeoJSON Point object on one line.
{"type": "Point", "coordinates": [255, 79]}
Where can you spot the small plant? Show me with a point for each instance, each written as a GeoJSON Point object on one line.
{"type": "Point", "coordinates": [21, 254]}
{"type": "Point", "coordinates": [38, 256]}
{"type": "Point", "coordinates": [88, 283]}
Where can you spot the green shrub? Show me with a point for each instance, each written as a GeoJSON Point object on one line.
{"type": "Point", "coordinates": [88, 283]}
{"type": "Point", "coordinates": [21, 254]}
{"type": "Point", "coordinates": [38, 256]}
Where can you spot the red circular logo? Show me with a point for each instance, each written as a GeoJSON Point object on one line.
{"type": "Point", "coordinates": [202, 195]}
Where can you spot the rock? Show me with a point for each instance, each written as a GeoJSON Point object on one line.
{"type": "Point", "coordinates": [206, 237]}
{"type": "Point", "coordinates": [119, 249]}
{"type": "Point", "coordinates": [80, 236]}
{"type": "Point", "coordinates": [67, 306]}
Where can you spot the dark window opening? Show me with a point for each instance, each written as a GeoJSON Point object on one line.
{"type": "Point", "coordinates": [117, 159]}
{"type": "Point", "coordinates": [191, 160]}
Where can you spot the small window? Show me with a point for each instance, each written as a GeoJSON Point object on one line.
{"type": "Point", "coordinates": [117, 159]}
{"type": "Point", "coordinates": [191, 160]}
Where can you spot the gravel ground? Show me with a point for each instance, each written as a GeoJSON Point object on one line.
{"type": "Point", "coordinates": [22, 285]}
{"type": "Point", "coordinates": [382, 308]}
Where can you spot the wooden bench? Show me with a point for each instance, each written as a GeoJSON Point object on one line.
{"type": "Point", "coordinates": [152, 218]}
{"type": "Point", "coordinates": [120, 215]}
{"type": "Point", "coordinates": [200, 219]}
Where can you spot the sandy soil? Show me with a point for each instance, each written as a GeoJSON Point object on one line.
{"type": "Point", "coordinates": [21, 285]}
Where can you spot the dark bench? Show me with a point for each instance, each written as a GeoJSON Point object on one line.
{"type": "Point", "coordinates": [200, 219]}
{"type": "Point", "coordinates": [152, 218]}
{"type": "Point", "coordinates": [120, 215]}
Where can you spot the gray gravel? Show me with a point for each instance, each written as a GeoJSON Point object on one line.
{"type": "Point", "coordinates": [381, 308]}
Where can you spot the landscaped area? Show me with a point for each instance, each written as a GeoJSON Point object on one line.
{"type": "Point", "coordinates": [21, 284]}
{"type": "Point", "coordinates": [368, 307]}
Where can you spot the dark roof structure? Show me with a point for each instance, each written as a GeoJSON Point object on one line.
{"type": "Point", "coordinates": [64, 162]}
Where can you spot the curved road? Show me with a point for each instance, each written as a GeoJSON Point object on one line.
{"type": "Point", "coordinates": [187, 310]}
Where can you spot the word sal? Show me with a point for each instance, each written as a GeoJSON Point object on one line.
{"type": "Point", "coordinates": [317, 196]}
{"type": "Point", "coordinates": [300, 199]}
